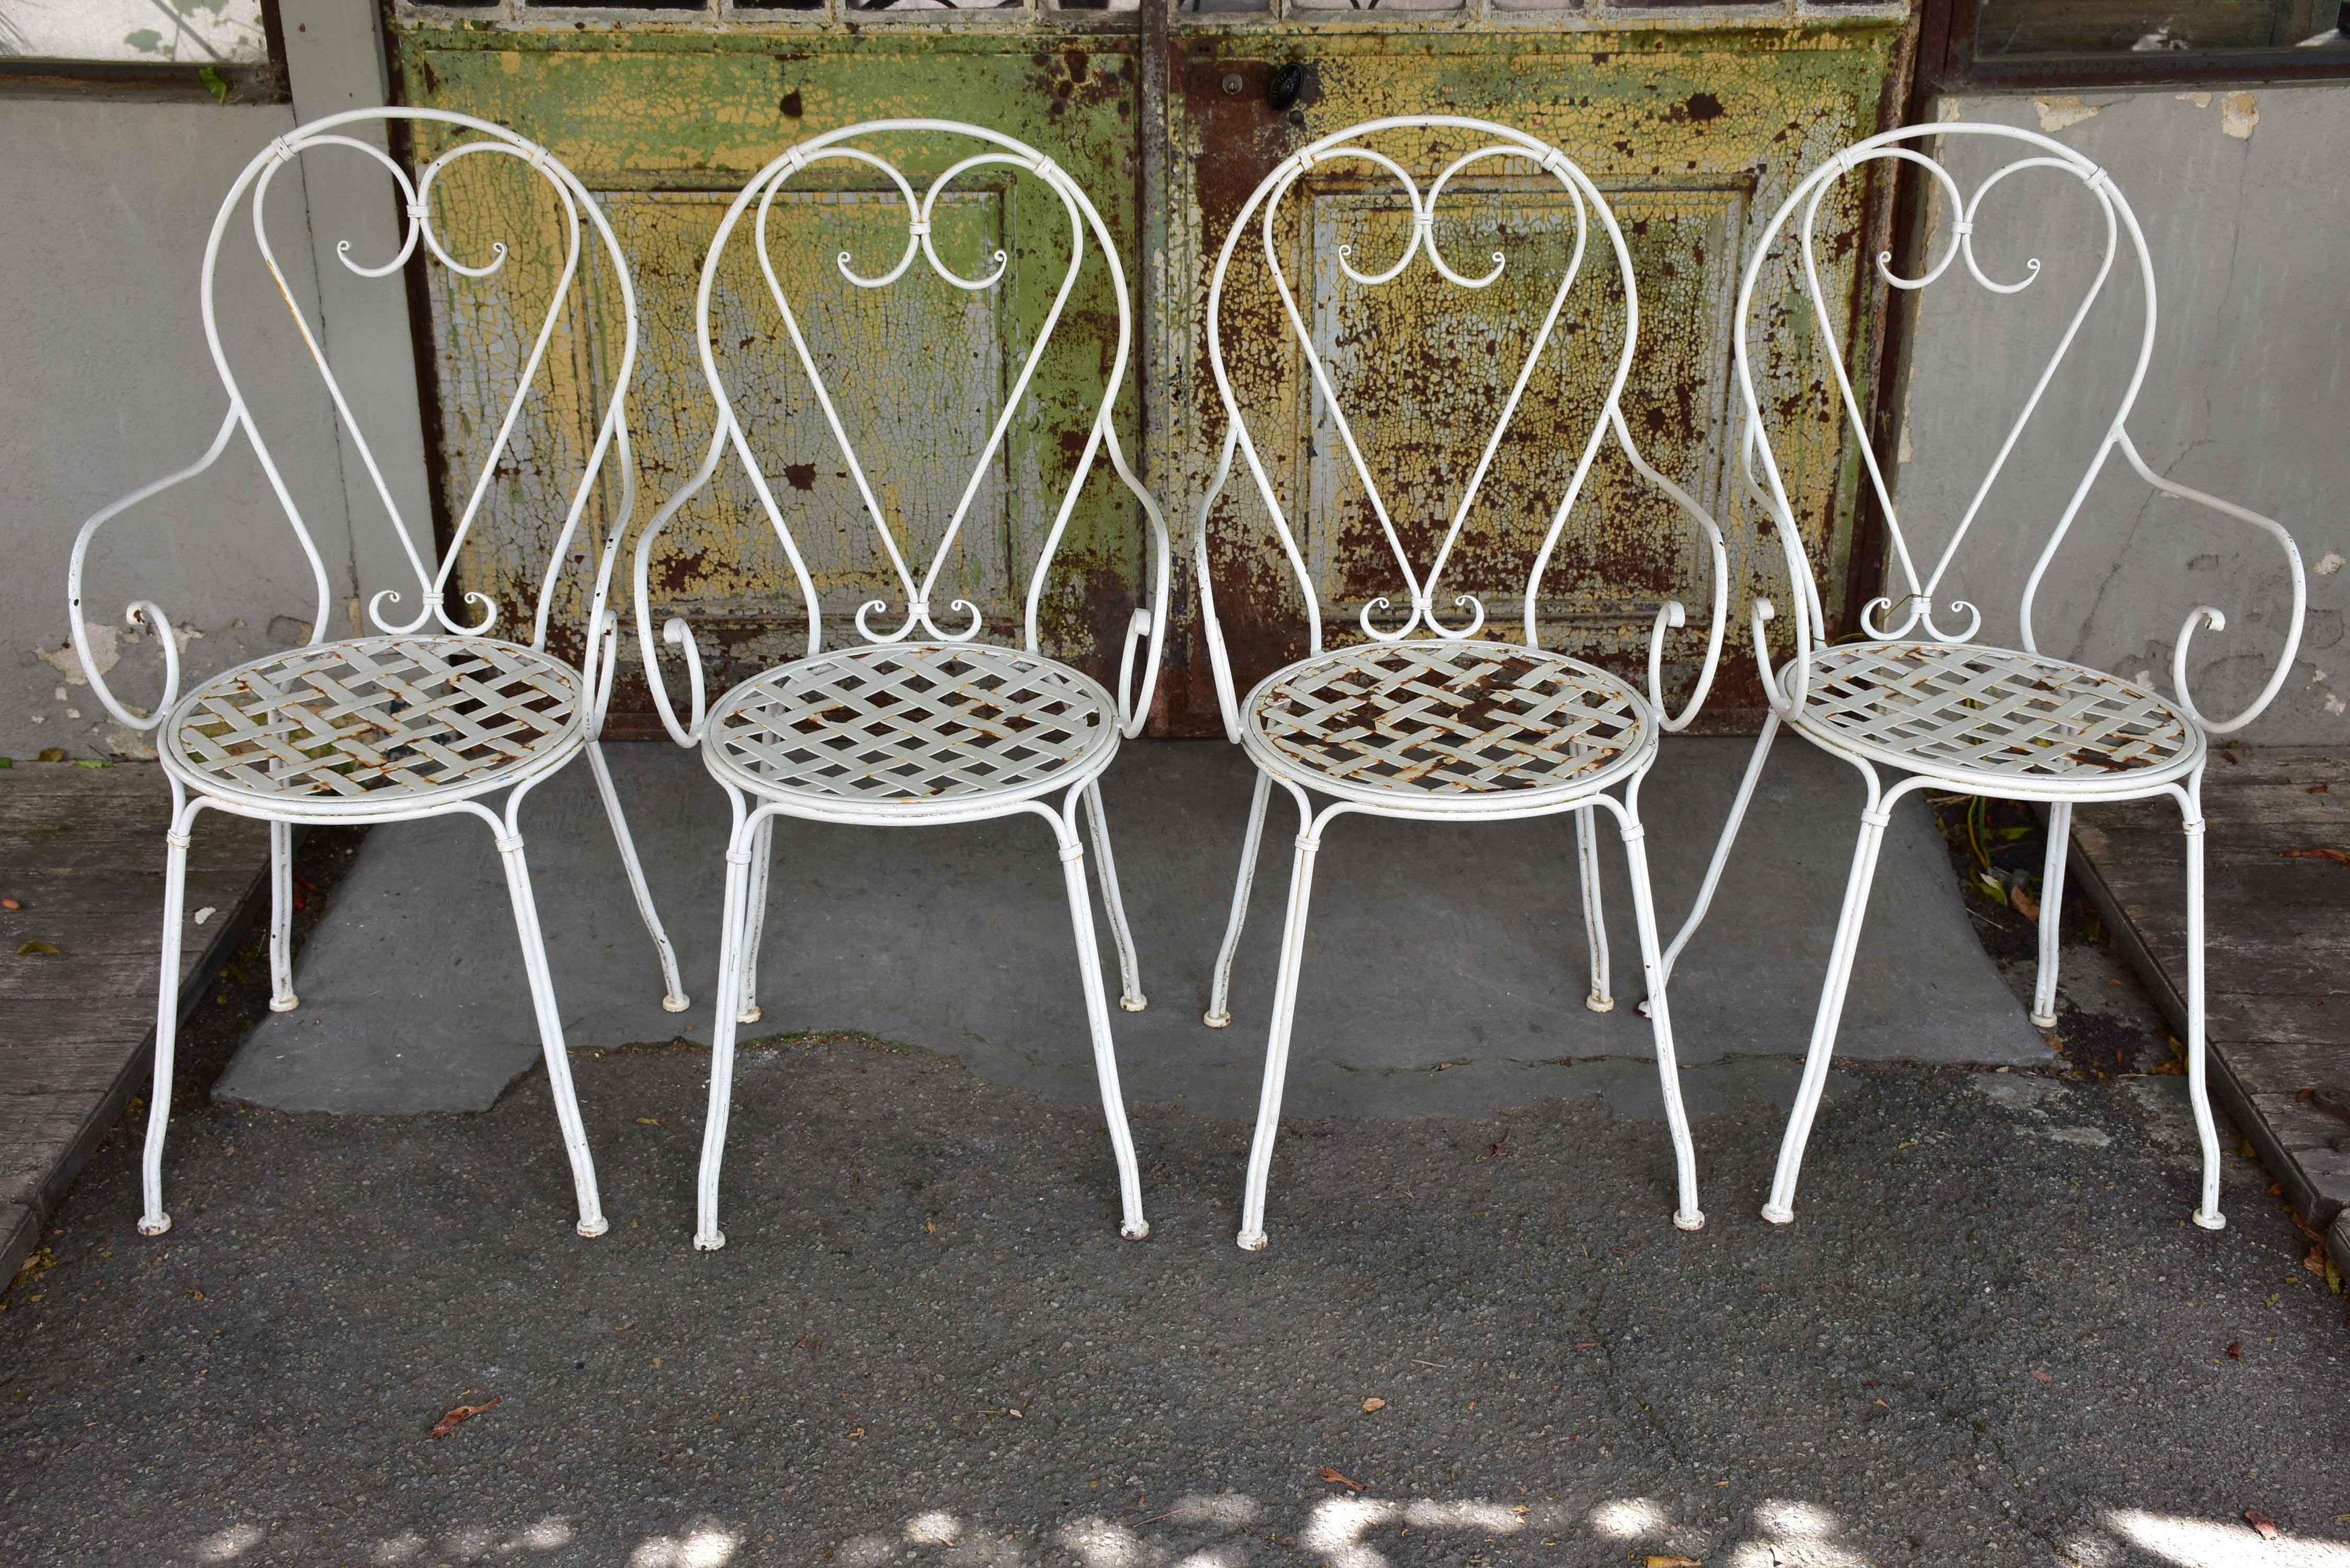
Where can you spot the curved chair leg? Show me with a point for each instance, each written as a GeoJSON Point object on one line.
{"type": "Point", "coordinates": [550, 1034]}
{"type": "Point", "coordinates": [2206, 1213]}
{"type": "Point", "coordinates": [1722, 846]}
{"type": "Point", "coordinates": [153, 1219]}
{"type": "Point", "coordinates": [741, 853]}
{"type": "Point", "coordinates": [1132, 1226]}
{"type": "Point", "coordinates": [1595, 917]}
{"type": "Point", "coordinates": [1129, 973]}
{"type": "Point", "coordinates": [754, 919]}
{"type": "Point", "coordinates": [674, 997]}
{"type": "Point", "coordinates": [1780, 1208]}
{"type": "Point", "coordinates": [1276, 1050]}
{"type": "Point", "coordinates": [2052, 902]}
{"type": "Point", "coordinates": [1686, 1215]}
{"type": "Point", "coordinates": [281, 918]}
{"type": "Point", "coordinates": [1218, 1015]}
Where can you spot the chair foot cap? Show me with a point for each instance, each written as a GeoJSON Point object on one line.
{"type": "Point", "coordinates": [1134, 1003]}
{"type": "Point", "coordinates": [1643, 1009]}
{"type": "Point", "coordinates": [1778, 1216]}
{"type": "Point", "coordinates": [711, 1243]}
{"type": "Point", "coordinates": [1692, 1220]}
{"type": "Point", "coordinates": [748, 1015]}
{"type": "Point", "coordinates": [595, 1227]}
{"type": "Point", "coordinates": [1137, 1231]}
{"type": "Point", "coordinates": [1252, 1241]}
{"type": "Point", "coordinates": [1217, 1020]}
{"type": "Point", "coordinates": [676, 1003]}
{"type": "Point", "coordinates": [1599, 1003]}
{"type": "Point", "coordinates": [2215, 1220]}
{"type": "Point", "coordinates": [286, 1004]}
{"type": "Point", "coordinates": [155, 1226]}
{"type": "Point", "coordinates": [2043, 1020]}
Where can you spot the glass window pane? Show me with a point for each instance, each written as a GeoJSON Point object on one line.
{"type": "Point", "coordinates": [2057, 30]}
{"type": "Point", "coordinates": [135, 31]}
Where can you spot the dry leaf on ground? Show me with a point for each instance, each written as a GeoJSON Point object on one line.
{"type": "Point", "coordinates": [2235, 1350]}
{"type": "Point", "coordinates": [2044, 1376]}
{"type": "Point", "coordinates": [39, 949]}
{"type": "Point", "coordinates": [1331, 1475]}
{"type": "Point", "coordinates": [461, 1414]}
{"type": "Point", "coordinates": [2263, 1523]}
{"type": "Point", "coordinates": [2021, 902]}
{"type": "Point", "coordinates": [1653, 1561]}
{"type": "Point", "coordinates": [2324, 852]}
{"type": "Point", "coordinates": [1375, 1404]}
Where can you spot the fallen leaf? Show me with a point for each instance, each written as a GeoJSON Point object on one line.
{"type": "Point", "coordinates": [10, 904]}
{"type": "Point", "coordinates": [1653, 1561]}
{"type": "Point", "coordinates": [2324, 852]}
{"type": "Point", "coordinates": [2316, 1260]}
{"type": "Point", "coordinates": [1880, 1402]}
{"type": "Point", "coordinates": [52, 754]}
{"type": "Point", "coordinates": [461, 1414]}
{"type": "Point", "coordinates": [930, 1227]}
{"type": "Point", "coordinates": [2171, 1068]}
{"type": "Point", "coordinates": [1587, 1345]}
{"type": "Point", "coordinates": [652, 1121]}
{"type": "Point", "coordinates": [2263, 1523]}
{"type": "Point", "coordinates": [2022, 903]}
{"type": "Point", "coordinates": [857, 1432]}
{"type": "Point", "coordinates": [1374, 1404]}
{"type": "Point", "coordinates": [1335, 1478]}
{"type": "Point", "coordinates": [2235, 1350]}
{"type": "Point", "coordinates": [2318, 789]}
{"type": "Point", "coordinates": [2041, 1376]}
{"type": "Point", "coordinates": [39, 949]}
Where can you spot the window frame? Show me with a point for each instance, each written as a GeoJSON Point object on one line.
{"type": "Point", "coordinates": [1946, 62]}
{"type": "Point", "coordinates": [166, 81]}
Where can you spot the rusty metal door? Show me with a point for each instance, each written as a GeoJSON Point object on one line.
{"type": "Point", "coordinates": [1689, 124]}
{"type": "Point", "coordinates": [1689, 120]}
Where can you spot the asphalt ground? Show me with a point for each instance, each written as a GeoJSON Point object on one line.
{"type": "Point", "coordinates": [1990, 1337]}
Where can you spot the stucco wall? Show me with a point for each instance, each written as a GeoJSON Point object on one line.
{"type": "Point", "coordinates": [108, 383]}
{"type": "Point", "coordinates": [2248, 396]}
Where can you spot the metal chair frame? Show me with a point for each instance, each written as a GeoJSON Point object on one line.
{"type": "Point", "coordinates": [1950, 713]}
{"type": "Point", "coordinates": [429, 716]}
{"type": "Point", "coordinates": [1573, 732]}
{"type": "Point", "coordinates": [948, 728]}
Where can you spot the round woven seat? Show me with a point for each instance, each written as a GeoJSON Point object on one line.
{"type": "Point", "coordinates": [1490, 725]}
{"type": "Point", "coordinates": [1972, 712]}
{"type": "Point", "coordinates": [376, 724]}
{"type": "Point", "coordinates": [917, 727]}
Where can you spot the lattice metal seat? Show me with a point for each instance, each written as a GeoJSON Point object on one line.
{"type": "Point", "coordinates": [1445, 721]}
{"type": "Point", "coordinates": [377, 724]}
{"type": "Point", "coordinates": [914, 724]}
{"type": "Point", "coordinates": [1939, 708]}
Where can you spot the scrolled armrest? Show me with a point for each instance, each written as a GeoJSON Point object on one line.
{"type": "Point", "coordinates": [2208, 615]}
{"type": "Point", "coordinates": [674, 631]}
{"type": "Point", "coordinates": [144, 612]}
{"type": "Point", "coordinates": [1219, 665]}
{"type": "Point", "coordinates": [1149, 624]}
{"type": "Point", "coordinates": [1672, 614]}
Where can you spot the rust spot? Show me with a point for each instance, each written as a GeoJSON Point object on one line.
{"type": "Point", "coordinates": [1702, 106]}
{"type": "Point", "coordinates": [791, 104]}
{"type": "Point", "coordinates": [801, 474]}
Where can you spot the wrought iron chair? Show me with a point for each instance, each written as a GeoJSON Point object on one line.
{"type": "Point", "coordinates": [425, 716]}
{"type": "Point", "coordinates": [1419, 719]}
{"type": "Point", "coordinates": [1935, 706]}
{"type": "Point", "coordinates": [914, 724]}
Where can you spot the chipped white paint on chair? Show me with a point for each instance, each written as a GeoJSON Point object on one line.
{"type": "Point", "coordinates": [1946, 712]}
{"type": "Point", "coordinates": [433, 713]}
{"type": "Point", "coordinates": [1422, 718]}
{"type": "Point", "coordinates": [920, 722]}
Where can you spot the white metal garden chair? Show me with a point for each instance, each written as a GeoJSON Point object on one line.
{"type": "Point", "coordinates": [1936, 707]}
{"type": "Point", "coordinates": [914, 724]}
{"type": "Point", "coordinates": [1419, 719]}
{"type": "Point", "coordinates": [426, 716]}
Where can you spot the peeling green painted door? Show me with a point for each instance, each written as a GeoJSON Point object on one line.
{"type": "Point", "coordinates": [1695, 125]}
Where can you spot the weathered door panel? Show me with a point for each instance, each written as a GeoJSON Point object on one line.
{"type": "Point", "coordinates": [1687, 131]}
{"type": "Point", "coordinates": [666, 128]}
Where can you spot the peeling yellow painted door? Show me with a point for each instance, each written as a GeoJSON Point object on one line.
{"type": "Point", "coordinates": [665, 119]}
{"type": "Point", "coordinates": [1695, 123]}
